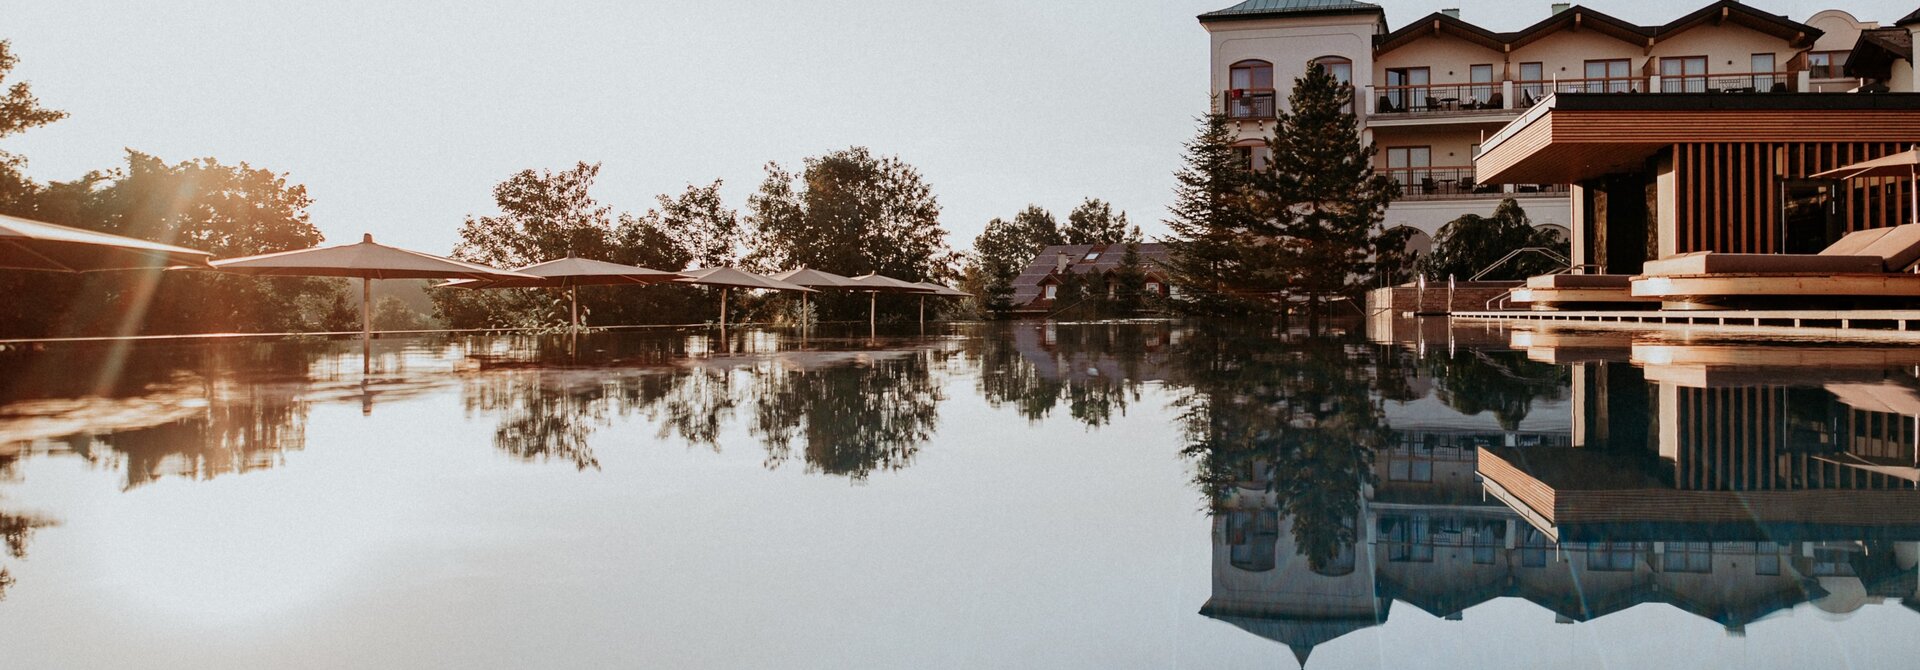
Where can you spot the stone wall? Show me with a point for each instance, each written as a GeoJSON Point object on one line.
{"type": "Point", "coordinates": [1467, 297]}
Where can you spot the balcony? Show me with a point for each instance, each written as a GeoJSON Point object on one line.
{"type": "Point", "coordinates": [1251, 103]}
{"type": "Point", "coordinates": [1458, 183]}
{"type": "Point", "coordinates": [1494, 98]}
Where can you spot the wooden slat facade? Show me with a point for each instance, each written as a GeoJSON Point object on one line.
{"type": "Point", "coordinates": [1736, 439]}
{"type": "Point", "coordinates": [1730, 194]}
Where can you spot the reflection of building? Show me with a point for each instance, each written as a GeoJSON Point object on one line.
{"type": "Point", "coordinates": [1731, 501]}
{"type": "Point", "coordinates": [1036, 290]}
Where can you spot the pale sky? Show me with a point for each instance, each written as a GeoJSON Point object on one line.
{"type": "Point", "coordinates": [401, 116]}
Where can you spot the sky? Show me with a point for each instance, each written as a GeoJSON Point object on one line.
{"type": "Point", "coordinates": [400, 117]}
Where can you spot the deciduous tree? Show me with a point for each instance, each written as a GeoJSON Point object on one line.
{"type": "Point", "coordinates": [1095, 222]}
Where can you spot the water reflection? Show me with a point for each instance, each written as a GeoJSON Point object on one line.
{"type": "Point", "coordinates": [1440, 470]}
{"type": "Point", "coordinates": [1731, 481]}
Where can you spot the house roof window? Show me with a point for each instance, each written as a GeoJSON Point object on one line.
{"type": "Point", "coordinates": [1092, 256]}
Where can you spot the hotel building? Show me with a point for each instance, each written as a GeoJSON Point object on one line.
{"type": "Point", "coordinates": [1428, 93]}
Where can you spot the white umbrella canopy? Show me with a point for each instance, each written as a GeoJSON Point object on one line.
{"type": "Point", "coordinates": [1903, 164]}
{"type": "Point", "coordinates": [364, 260]}
{"type": "Point", "coordinates": [571, 273]}
{"type": "Point", "coordinates": [26, 244]}
{"type": "Point", "coordinates": [728, 278]}
{"type": "Point", "coordinates": [874, 285]}
{"type": "Point", "coordinates": [937, 291]}
{"type": "Point", "coordinates": [811, 278]}
{"type": "Point", "coordinates": [367, 261]}
{"type": "Point", "coordinates": [943, 290]}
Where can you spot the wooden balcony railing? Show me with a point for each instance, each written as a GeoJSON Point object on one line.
{"type": "Point", "coordinates": [1455, 182]}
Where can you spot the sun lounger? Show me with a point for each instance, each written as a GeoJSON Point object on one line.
{"type": "Point", "coordinates": [1864, 266]}
{"type": "Point", "coordinates": [1564, 291]}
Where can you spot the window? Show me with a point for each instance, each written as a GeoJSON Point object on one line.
{"type": "Point", "coordinates": [1613, 556]}
{"type": "Point", "coordinates": [1534, 547]}
{"type": "Point", "coordinates": [1153, 288]}
{"type": "Point", "coordinates": [1254, 153]}
{"type": "Point", "coordinates": [1250, 90]}
{"type": "Point", "coordinates": [1826, 64]}
{"type": "Point", "coordinates": [1609, 76]}
{"type": "Point", "coordinates": [1252, 537]}
{"type": "Point", "coordinates": [1053, 291]}
{"type": "Point", "coordinates": [1092, 256]}
{"type": "Point", "coordinates": [1340, 68]}
{"type": "Point", "coordinates": [1409, 166]}
{"type": "Point", "coordinates": [1683, 74]}
{"type": "Point", "coordinates": [1533, 87]}
{"type": "Point", "coordinates": [1408, 539]}
{"type": "Point", "coordinates": [1761, 65]}
{"type": "Point", "coordinates": [1251, 74]}
{"type": "Point", "coordinates": [1687, 557]}
{"type": "Point", "coordinates": [1766, 558]}
{"type": "Point", "coordinates": [1407, 91]}
{"type": "Point", "coordinates": [1482, 78]}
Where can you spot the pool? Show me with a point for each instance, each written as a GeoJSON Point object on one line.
{"type": "Point", "coordinates": [1141, 494]}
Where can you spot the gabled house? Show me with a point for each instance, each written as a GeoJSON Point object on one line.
{"type": "Point", "coordinates": [1036, 290]}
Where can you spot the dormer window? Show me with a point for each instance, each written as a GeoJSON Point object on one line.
{"type": "Point", "coordinates": [1092, 256]}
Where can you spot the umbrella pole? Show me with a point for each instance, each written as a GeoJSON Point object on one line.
{"type": "Point", "coordinates": [366, 325]}
{"type": "Point", "coordinates": [804, 321]}
{"type": "Point", "coordinates": [873, 299]}
{"type": "Point", "coordinates": [723, 310]}
{"type": "Point", "coordinates": [1913, 193]}
{"type": "Point", "coordinates": [573, 295]}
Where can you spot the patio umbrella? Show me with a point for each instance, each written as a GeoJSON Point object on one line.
{"type": "Point", "coordinates": [367, 261]}
{"type": "Point", "coordinates": [571, 273]}
{"type": "Point", "coordinates": [813, 279]}
{"type": "Point", "coordinates": [26, 244]}
{"type": "Point", "coordinates": [731, 278]}
{"type": "Point", "coordinates": [874, 285]}
{"type": "Point", "coordinates": [937, 291]}
{"type": "Point", "coordinates": [1903, 164]}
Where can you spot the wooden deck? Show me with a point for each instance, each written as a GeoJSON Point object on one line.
{"type": "Point", "coordinates": [1863, 324]}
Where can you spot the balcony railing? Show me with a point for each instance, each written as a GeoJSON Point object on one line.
{"type": "Point", "coordinates": [1456, 182]}
{"type": "Point", "coordinates": [1251, 103]}
{"type": "Point", "coordinates": [1423, 98]}
{"type": "Point", "coordinates": [1742, 82]}
{"type": "Point", "coordinates": [1521, 94]}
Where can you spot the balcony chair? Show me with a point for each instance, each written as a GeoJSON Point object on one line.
{"type": "Point", "coordinates": [1864, 268]}
{"type": "Point", "coordinates": [1433, 104]}
{"type": "Point", "coordinates": [1495, 101]}
{"type": "Point", "coordinates": [1386, 106]}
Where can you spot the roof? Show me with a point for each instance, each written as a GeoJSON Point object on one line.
{"type": "Point", "coordinates": [1026, 287]}
{"type": "Point", "coordinates": [1577, 17]}
{"type": "Point", "coordinates": [1266, 9]}
{"type": "Point", "coordinates": [1570, 137]}
{"type": "Point", "coordinates": [1910, 18]}
{"type": "Point", "coordinates": [1873, 54]}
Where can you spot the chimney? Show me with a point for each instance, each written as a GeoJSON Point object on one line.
{"type": "Point", "coordinates": [1060, 262]}
{"type": "Point", "coordinates": [1561, 7]}
{"type": "Point", "coordinates": [1452, 13]}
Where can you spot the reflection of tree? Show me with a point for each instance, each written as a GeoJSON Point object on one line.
{"type": "Point", "coordinates": [854, 419]}
{"type": "Point", "coordinates": [1293, 416]}
{"type": "Point", "coordinates": [243, 428]}
{"type": "Point", "coordinates": [552, 415]}
{"type": "Point", "coordinates": [1503, 382]}
{"type": "Point", "coordinates": [15, 530]}
{"type": "Point", "coordinates": [1094, 368]}
{"type": "Point", "coordinates": [698, 405]}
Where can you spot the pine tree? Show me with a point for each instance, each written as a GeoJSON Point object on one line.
{"type": "Point", "coordinates": [1211, 215]}
{"type": "Point", "coordinates": [1130, 279]}
{"type": "Point", "coordinates": [1320, 197]}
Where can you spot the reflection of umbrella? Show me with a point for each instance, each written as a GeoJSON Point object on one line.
{"type": "Point", "coordinates": [26, 244]}
{"type": "Point", "coordinates": [1903, 164]}
{"type": "Point", "coordinates": [814, 279]}
{"type": "Point", "coordinates": [571, 273]}
{"type": "Point", "coordinates": [874, 285]}
{"type": "Point", "coordinates": [937, 291]}
{"type": "Point", "coordinates": [731, 278]}
{"type": "Point", "coordinates": [367, 261]}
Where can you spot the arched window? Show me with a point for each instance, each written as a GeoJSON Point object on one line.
{"type": "Point", "coordinates": [1254, 153]}
{"type": "Point", "coordinates": [1340, 67]}
{"type": "Point", "coordinates": [1250, 75]}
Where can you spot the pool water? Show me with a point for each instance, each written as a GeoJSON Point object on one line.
{"type": "Point", "coordinates": [1099, 495]}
